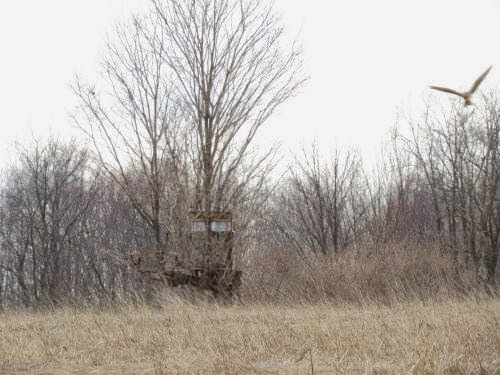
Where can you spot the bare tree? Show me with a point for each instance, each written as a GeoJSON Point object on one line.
{"type": "Point", "coordinates": [399, 196]}
{"type": "Point", "coordinates": [131, 121]}
{"type": "Point", "coordinates": [44, 200]}
{"type": "Point", "coordinates": [457, 153]}
{"type": "Point", "coordinates": [231, 69]}
{"type": "Point", "coordinates": [319, 209]}
{"type": "Point", "coordinates": [190, 86]}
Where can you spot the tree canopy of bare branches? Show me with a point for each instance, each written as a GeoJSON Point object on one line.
{"type": "Point", "coordinates": [131, 119]}
{"type": "Point", "coordinates": [232, 69]}
{"type": "Point", "coordinates": [457, 153]}
{"type": "Point", "coordinates": [44, 202]}
{"type": "Point", "coordinates": [320, 208]}
{"type": "Point", "coordinates": [197, 76]}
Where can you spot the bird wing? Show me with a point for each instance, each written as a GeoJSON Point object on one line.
{"type": "Point", "coordinates": [479, 80]}
{"type": "Point", "coordinates": [449, 91]}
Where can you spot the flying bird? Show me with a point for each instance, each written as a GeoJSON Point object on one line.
{"type": "Point", "coordinates": [468, 94]}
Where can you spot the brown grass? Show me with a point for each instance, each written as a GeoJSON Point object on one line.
{"type": "Point", "coordinates": [384, 275]}
{"type": "Point", "coordinates": [449, 337]}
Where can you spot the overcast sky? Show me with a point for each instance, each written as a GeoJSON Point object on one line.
{"type": "Point", "coordinates": [366, 60]}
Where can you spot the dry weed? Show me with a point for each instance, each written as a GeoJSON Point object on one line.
{"type": "Point", "coordinates": [452, 337]}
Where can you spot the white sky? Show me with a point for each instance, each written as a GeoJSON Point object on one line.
{"type": "Point", "coordinates": [366, 59]}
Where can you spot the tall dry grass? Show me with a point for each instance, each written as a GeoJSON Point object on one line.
{"type": "Point", "coordinates": [449, 337]}
{"type": "Point", "coordinates": [395, 310]}
{"type": "Point", "coordinates": [385, 274]}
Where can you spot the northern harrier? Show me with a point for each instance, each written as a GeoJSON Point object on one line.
{"type": "Point", "coordinates": [466, 95]}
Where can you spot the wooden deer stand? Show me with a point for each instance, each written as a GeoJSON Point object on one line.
{"type": "Point", "coordinates": [212, 239]}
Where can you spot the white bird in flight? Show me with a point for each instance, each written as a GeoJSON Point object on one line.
{"type": "Point", "coordinates": [466, 95]}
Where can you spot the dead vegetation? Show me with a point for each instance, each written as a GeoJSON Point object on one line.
{"type": "Point", "coordinates": [447, 337]}
{"type": "Point", "coordinates": [384, 274]}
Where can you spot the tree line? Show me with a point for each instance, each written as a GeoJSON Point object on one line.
{"type": "Point", "coordinates": [170, 126]}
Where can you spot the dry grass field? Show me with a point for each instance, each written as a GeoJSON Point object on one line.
{"type": "Point", "coordinates": [446, 337]}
